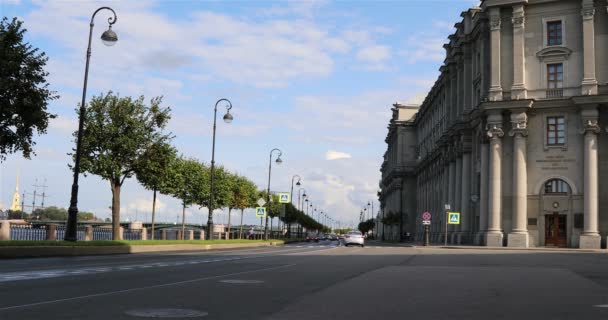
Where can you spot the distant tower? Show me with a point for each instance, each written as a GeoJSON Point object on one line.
{"type": "Point", "coordinates": [16, 206]}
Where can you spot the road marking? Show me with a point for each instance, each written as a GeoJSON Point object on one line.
{"type": "Point", "coordinates": [144, 288]}
{"type": "Point", "coordinates": [601, 306]}
{"type": "Point", "coordinates": [45, 274]}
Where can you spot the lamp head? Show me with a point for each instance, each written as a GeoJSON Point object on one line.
{"type": "Point", "coordinates": [228, 117]}
{"type": "Point", "coordinates": [298, 183]}
{"type": "Point", "coordinates": [109, 37]}
{"type": "Point", "coordinates": [279, 161]}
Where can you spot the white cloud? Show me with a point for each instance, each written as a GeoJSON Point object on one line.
{"type": "Point", "coordinates": [335, 155]}
{"type": "Point", "coordinates": [374, 54]}
{"type": "Point", "coordinates": [423, 48]}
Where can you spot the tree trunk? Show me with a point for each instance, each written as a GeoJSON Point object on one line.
{"type": "Point", "coordinates": [241, 230]}
{"type": "Point", "coordinates": [115, 210]}
{"type": "Point", "coordinates": [153, 213]}
{"type": "Point", "coordinates": [183, 220]}
{"type": "Point", "coordinates": [229, 216]}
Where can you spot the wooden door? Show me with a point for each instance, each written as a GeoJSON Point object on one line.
{"type": "Point", "coordinates": [555, 230]}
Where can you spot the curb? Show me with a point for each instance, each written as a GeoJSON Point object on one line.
{"type": "Point", "coordinates": [537, 249]}
{"type": "Point", "coordinates": [55, 251]}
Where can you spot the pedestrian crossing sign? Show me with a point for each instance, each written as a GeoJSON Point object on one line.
{"type": "Point", "coordinates": [453, 217]}
{"type": "Point", "coordinates": [284, 197]}
{"type": "Point", "coordinates": [260, 212]}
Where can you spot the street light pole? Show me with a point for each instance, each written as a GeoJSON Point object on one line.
{"type": "Point", "coordinates": [227, 118]}
{"type": "Point", "coordinates": [300, 198]}
{"type": "Point", "coordinates": [108, 38]}
{"type": "Point", "coordinates": [278, 161]}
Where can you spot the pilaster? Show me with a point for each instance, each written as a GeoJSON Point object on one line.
{"type": "Point", "coordinates": [518, 90]}
{"type": "Point", "coordinates": [495, 25]}
{"type": "Point", "coordinates": [589, 84]}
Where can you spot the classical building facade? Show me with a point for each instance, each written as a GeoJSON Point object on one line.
{"type": "Point", "coordinates": [513, 133]}
{"type": "Point", "coordinates": [398, 175]}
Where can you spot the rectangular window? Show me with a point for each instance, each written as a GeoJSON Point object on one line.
{"type": "Point", "coordinates": [555, 76]}
{"type": "Point", "coordinates": [554, 33]}
{"type": "Point", "coordinates": [556, 131]}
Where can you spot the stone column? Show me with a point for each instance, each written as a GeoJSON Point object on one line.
{"type": "Point", "coordinates": [446, 195]}
{"type": "Point", "coordinates": [590, 238]}
{"type": "Point", "coordinates": [5, 230]}
{"type": "Point", "coordinates": [495, 81]}
{"type": "Point", "coordinates": [518, 90]}
{"type": "Point", "coordinates": [88, 233]}
{"type": "Point", "coordinates": [468, 77]}
{"type": "Point", "coordinates": [518, 237]}
{"type": "Point", "coordinates": [457, 191]}
{"type": "Point", "coordinates": [452, 195]}
{"type": "Point", "coordinates": [494, 234]}
{"type": "Point", "coordinates": [589, 84]}
{"type": "Point", "coordinates": [121, 233]}
{"type": "Point", "coordinates": [51, 232]}
{"type": "Point", "coordinates": [466, 215]}
{"type": "Point", "coordinates": [483, 190]}
{"type": "Point", "coordinates": [461, 85]}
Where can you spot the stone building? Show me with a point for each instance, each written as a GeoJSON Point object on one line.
{"type": "Point", "coordinates": [398, 183]}
{"type": "Point", "coordinates": [513, 133]}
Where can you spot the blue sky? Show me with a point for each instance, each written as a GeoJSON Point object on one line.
{"type": "Point", "coordinates": [315, 79]}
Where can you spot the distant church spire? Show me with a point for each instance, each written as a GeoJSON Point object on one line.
{"type": "Point", "coordinates": [16, 206]}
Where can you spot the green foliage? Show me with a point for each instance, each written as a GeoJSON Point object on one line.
{"type": "Point", "coordinates": [188, 180]}
{"type": "Point", "coordinates": [366, 226]}
{"type": "Point", "coordinates": [59, 214]}
{"type": "Point", "coordinates": [243, 192]}
{"type": "Point", "coordinates": [17, 214]}
{"type": "Point", "coordinates": [118, 132]}
{"type": "Point", "coordinates": [342, 231]}
{"type": "Point", "coordinates": [24, 93]}
{"type": "Point", "coordinates": [152, 169]}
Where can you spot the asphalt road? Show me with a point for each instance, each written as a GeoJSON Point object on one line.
{"type": "Point", "coordinates": [310, 281]}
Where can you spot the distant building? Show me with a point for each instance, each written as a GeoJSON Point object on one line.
{"type": "Point", "coordinates": [398, 183]}
{"type": "Point", "coordinates": [16, 204]}
{"type": "Point", "coordinates": [512, 134]}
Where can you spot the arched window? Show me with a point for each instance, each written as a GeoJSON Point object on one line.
{"type": "Point", "coordinates": [556, 186]}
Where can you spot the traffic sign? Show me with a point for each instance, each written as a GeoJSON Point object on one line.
{"type": "Point", "coordinates": [454, 217]}
{"type": "Point", "coordinates": [261, 202]}
{"type": "Point", "coordinates": [284, 197]}
{"type": "Point", "coordinates": [426, 216]}
{"type": "Point", "coordinates": [260, 212]}
{"type": "Point", "coordinates": [426, 222]}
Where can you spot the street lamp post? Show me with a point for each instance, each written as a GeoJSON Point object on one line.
{"type": "Point", "coordinates": [291, 193]}
{"type": "Point", "coordinates": [278, 161]}
{"type": "Point", "coordinates": [300, 198]}
{"type": "Point", "coordinates": [228, 119]}
{"type": "Point", "coordinates": [108, 38]}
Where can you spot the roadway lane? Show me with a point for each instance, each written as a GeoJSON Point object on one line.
{"type": "Point", "coordinates": [317, 281]}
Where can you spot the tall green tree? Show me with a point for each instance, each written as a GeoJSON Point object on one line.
{"type": "Point", "coordinates": [188, 180]}
{"type": "Point", "coordinates": [244, 194]}
{"type": "Point", "coordinates": [24, 91]}
{"type": "Point", "coordinates": [152, 171]}
{"type": "Point", "coordinates": [118, 132]}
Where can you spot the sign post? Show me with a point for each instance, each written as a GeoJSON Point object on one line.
{"type": "Point", "coordinates": [426, 221]}
{"type": "Point", "coordinates": [447, 209]}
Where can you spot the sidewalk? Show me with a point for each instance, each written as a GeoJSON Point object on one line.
{"type": "Point", "coordinates": [420, 245]}
{"type": "Point", "coordinates": [58, 251]}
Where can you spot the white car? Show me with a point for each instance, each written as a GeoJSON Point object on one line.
{"type": "Point", "coordinates": [354, 237]}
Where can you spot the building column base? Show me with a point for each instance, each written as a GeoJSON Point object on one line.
{"type": "Point", "coordinates": [589, 87]}
{"type": "Point", "coordinates": [493, 239]}
{"type": "Point", "coordinates": [593, 241]}
{"type": "Point", "coordinates": [495, 94]}
{"type": "Point", "coordinates": [518, 240]}
{"type": "Point", "coordinates": [519, 92]}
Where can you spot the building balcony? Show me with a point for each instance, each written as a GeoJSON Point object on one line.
{"type": "Point", "coordinates": [555, 93]}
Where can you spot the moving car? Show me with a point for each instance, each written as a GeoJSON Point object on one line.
{"type": "Point", "coordinates": [354, 237]}
{"type": "Point", "coordinates": [312, 237]}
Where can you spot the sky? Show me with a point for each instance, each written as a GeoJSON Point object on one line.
{"type": "Point", "coordinates": [316, 79]}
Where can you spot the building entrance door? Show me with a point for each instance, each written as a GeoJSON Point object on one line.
{"type": "Point", "coordinates": [555, 230]}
